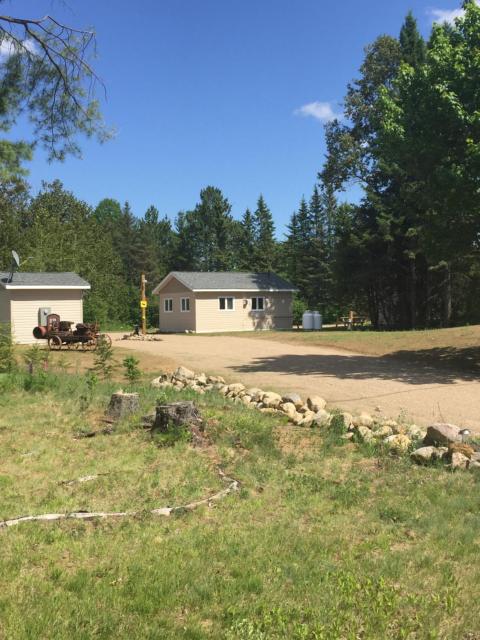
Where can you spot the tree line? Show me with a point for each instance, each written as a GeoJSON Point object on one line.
{"type": "Point", "coordinates": [407, 254]}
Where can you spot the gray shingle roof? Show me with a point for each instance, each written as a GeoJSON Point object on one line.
{"type": "Point", "coordinates": [232, 281]}
{"type": "Point", "coordinates": [40, 279]}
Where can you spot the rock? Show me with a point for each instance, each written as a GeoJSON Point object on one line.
{"type": "Point", "coordinates": [236, 387]}
{"type": "Point", "coordinates": [297, 419]}
{"type": "Point", "coordinates": [459, 461]}
{"type": "Point", "coordinates": [294, 399]}
{"type": "Point", "coordinates": [256, 393]}
{"type": "Point", "coordinates": [272, 400]}
{"type": "Point", "coordinates": [316, 403]}
{"type": "Point", "coordinates": [476, 456]}
{"type": "Point", "coordinates": [398, 443]}
{"type": "Point", "coordinates": [461, 447]}
{"type": "Point", "coordinates": [474, 464]}
{"type": "Point", "coordinates": [156, 382]}
{"type": "Point", "coordinates": [223, 390]}
{"type": "Point", "coordinates": [322, 418]}
{"type": "Point", "coordinates": [427, 454]}
{"type": "Point", "coordinates": [123, 404]}
{"type": "Point", "coordinates": [347, 420]}
{"type": "Point", "coordinates": [268, 410]}
{"type": "Point", "coordinates": [442, 433]}
{"type": "Point", "coordinates": [365, 434]}
{"type": "Point", "coordinates": [347, 436]}
{"type": "Point", "coordinates": [201, 379]}
{"type": "Point", "coordinates": [415, 432]}
{"type": "Point", "coordinates": [289, 409]}
{"type": "Point", "coordinates": [246, 399]}
{"type": "Point", "coordinates": [363, 420]}
{"type": "Point", "coordinates": [382, 431]}
{"type": "Point", "coordinates": [182, 373]}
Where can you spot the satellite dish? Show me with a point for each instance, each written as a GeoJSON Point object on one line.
{"type": "Point", "coordinates": [16, 259]}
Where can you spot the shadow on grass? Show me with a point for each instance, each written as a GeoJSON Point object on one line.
{"type": "Point", "coordinates": [441, 365]}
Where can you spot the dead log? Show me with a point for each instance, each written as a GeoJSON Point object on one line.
{"type": "Point", "coordinates": [123, 404]}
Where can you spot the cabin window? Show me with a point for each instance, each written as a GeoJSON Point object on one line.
{"type": "Point", "coordinates": [168, 305]}
{"type": "Point", "coordinates": [258, 304]}
{"type": "Point", "coordinates": [226, 304]}
{"type": "Point", "coordinates": [185, 304]}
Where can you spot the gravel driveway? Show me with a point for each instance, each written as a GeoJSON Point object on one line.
{"type": "Point", "coordinates": [348, 380]}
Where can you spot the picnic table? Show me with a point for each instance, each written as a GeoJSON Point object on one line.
{"type": "Point", "coordinates": [351, 321]}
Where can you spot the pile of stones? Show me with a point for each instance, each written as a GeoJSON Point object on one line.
{"type": "Point", "coordinates": [149, 337]}
{"type": "Point", "coordinates": [437, 442]}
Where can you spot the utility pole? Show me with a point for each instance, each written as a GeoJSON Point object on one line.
{"type": "Point", "coordinates": [143, 304]}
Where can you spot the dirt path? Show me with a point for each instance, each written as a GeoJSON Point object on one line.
{"type": "Point", "coordinates": [345, 379]}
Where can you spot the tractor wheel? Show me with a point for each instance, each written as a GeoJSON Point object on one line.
{"type": "Point", "coordinates": [55, 343]}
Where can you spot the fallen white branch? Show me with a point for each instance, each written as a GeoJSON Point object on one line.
{"type": "Point", "coordinates": [92, 515]}
{"type": "Point", "coordinates": [68, 483]}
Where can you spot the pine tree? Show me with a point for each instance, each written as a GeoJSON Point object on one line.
{"type": "Point", "coordinates": [412, 45]}
{"type": "Point", "coordinates": [247, 243]}
{"type": "Point", "coordinates": [265, 253]}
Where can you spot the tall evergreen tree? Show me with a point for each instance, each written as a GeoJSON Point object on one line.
{"type": "Point", "coordinates": [247, 243]}
{"type": "Point", "coordinates": [412, 45]}
{"type": "Point", "coordinates": [265, 252]}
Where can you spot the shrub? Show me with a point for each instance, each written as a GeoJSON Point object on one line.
{"type": "Point", "coordinates": [298, 309]}
{"type": "Point", "coordinates": [7, 357]}
{"type": "Point", "coordinates": [104, 363]}
{"type": "Point", "coordinates": [132, 372]}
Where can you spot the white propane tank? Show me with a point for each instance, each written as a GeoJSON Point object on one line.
{"type": "Point", "coordinates": [317, 320]}
{"type": "Point", "coordinates": [307, 321]}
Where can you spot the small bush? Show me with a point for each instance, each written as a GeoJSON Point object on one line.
{"type": "Point", "coordinates": [36, 358]}
{"type": "Point", "coordinates": [7, 357]}
{"type": "Point", "coordinates": [104, 363]}
{"type": "Point", "coordinates": [132, 372]}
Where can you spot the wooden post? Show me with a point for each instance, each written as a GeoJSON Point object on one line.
{"type": "Point", "coordinates": [143, 304]}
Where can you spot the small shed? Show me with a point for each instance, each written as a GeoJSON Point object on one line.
{"type": "Point", "coordinates": [26, 299]}
{"type": "Point", "coordinates": [209, 302]}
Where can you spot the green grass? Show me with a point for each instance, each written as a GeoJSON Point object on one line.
{"type": "Point", "coordinates": [323, 541]}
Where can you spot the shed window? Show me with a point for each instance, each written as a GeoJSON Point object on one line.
{"type": "Point", "coordinates": [168, 305]}
{"type": "Point", "coordinates": [226, 304]}
{"type": "Point", "coordinates": [185, 304]}
{"type": "Point", "coordinates": [258, 304]}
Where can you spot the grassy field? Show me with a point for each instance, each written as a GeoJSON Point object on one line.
{"type": "Point", "coordinates": [456, 347]}
{"type": "Point", "coordinates": [325, 540]}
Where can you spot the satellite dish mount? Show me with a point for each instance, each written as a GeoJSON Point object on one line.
{"type": "Point", "coordinates": [14, 266]}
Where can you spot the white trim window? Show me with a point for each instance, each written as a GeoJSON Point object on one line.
{"type": "Point", "coordinates": [168, 305]}
{"type": "Point", "coordinates": [226, 303]}
{"type": "Point", "coordinates": [258, 303]}
{"type": "Point", "coordinates": [185, 305]}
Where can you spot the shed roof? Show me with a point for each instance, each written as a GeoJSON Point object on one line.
{"type": "Point", "coordinates": [227, 281]}
{"type": "Point", "coordinates": [42, 280]}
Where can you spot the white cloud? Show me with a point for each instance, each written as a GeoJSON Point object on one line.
{"type": "Point", "coordinates": [447, 15]}
{"type": "Point", "coordinates": [8, 47]}
{"type": "Point", "coordinates": [322, 111]}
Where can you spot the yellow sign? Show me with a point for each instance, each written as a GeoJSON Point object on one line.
{"type": "Point", "coordinates": [143, 304]}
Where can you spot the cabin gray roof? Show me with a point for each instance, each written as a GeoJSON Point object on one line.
{"type": "Point", "coordinates": [228, 281]}
{"type": "Point", "coordinates": [24, 280]}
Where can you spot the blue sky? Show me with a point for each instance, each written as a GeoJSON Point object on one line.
{"type": "Point", "coordinates": [217, 92]}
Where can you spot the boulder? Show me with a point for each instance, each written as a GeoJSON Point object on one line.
{"type": "Point", "coordinates": [256, 393]}
{"type": "Point", "coordinates": [365, 434]}
{"type": "Point", "coordinates": [297, 419]}
{"type": "Point", "coordinates": [442, 433]}
{"type": "Point", "coordinates": [201, 379]}
{"type": "Point", "coordinates": [246, 399]}
{"type": "Point", "coordinates": [347, 436]}
{"type": "Point", "coordinates": [293, 398]}
{"type": "Point", "coordinates": [272, 400]}
{"type": "Point", "coordinates": [182, 373]}
{"type": "Point", "coordinates": [268, 410]}
{"type": "Point", "coordinates": [424, 455]}
{"type": "Point", "coordinates": [461, 447]}
{"type": "Point", "coordinates": [363, 420]}
{"type": "Point", "coordinates": [322, 418]}
{"type": "Point", "coordinates": [459, 461]}
{"type": "Point", "coordinates": [223, 390]}
{"type": "Point", "coordinates": [316, 403]}
{"type": "Point", "coordinates": [399, 443]}
{"type": "Point", "coordinates": [236, 387]}
{"type": "Point", "coordinates": [347, 420]}
{"type": "Point", "coordinates": [382, 431]}
{"type": "Point", "coordinates": [156, 382]}
{"type": "Point", "coordinates": [289, 409]}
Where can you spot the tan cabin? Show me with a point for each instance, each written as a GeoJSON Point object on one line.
{"type": "Point", "coordinates": [210, 302]}
{"type": "Point", "coordinates": [27, 298]}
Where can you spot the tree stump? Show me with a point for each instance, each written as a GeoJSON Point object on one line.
{"type": "Point", "coordinates": [123, 404]}
{"type": "Point", "coordinates": [177, 415]}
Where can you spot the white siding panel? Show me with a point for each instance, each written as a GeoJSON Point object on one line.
{"type": "Point", "coordinates": [67, 303]}
{"type": "Point", "coordinates": [4, 306]}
